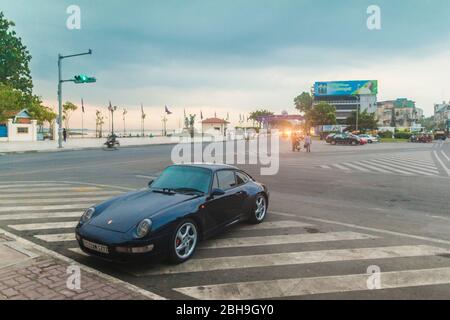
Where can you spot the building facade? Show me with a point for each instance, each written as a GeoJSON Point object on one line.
{"type": "Point", "coordinates": [401, 113]}
{"type": "Point", "coordinates": [442, 115]}
{"type": "Point", "coordinates": [21, 128]}
{"type": "Point", "coordinates": [347, 96]}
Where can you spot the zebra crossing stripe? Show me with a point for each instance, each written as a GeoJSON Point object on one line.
{"type": "Point", "coordinates": [442, 163]}
{"type": "Point", "coordinates": [317, 285]}
{"type": "Point", "coordinates": [63, 237]}
{"type": "Point", "coordinates": [41, 215]}
{"type": "Point", "coordinates": [44, 208]}
{"type": "Point", "coordinates": [340, 166]}
{"type": "Point", "coordinates": [445, 155]}
{"type": "Point", "coordinates": [354, 166]}
{"type": "Point", "coordinates": [43, 226]}
{"type": "Point", "coordinates": [430, 166]}
{"type": "Point", "coordinates": [53, 200]}
{"type": "Point", "coordinates": [27, 195]}
{"type": "Point", "coordinates": [432, 171]}
{"type": "Point", "coordinates": [78, 251]}
{"type": "Point", "coordinates": [31, 185]}
{"type": "Point", "coordinates": [29, 189]}
{"type": "Point", "coordinates": [423, 163]}
{"type": "Point", "coordinates": [325, 167]}
{"type": "Point", "coordinates": [391, 167]}
{"type": "Point", "coordinates": [275, 225]}
{"type": "Point", "coordinates": [373, 167]}
{"type": "Point", "coordinates": [297, 258]}
{"type": "Point", "coordinates": [284, 239]}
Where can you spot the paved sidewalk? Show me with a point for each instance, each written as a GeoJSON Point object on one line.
{"type": "Point", "coordinates": [30, 273]}
{"type": "Point", "coordinates": [89, 143]}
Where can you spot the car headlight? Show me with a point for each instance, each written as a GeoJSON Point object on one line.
{"type": "Point", "coordinates": [87, 215]}
{"type": "Point", "coordinates": [143, 228]}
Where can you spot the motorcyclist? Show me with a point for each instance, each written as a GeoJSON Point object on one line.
{"type": "Point", "coordinates": [295, 140]}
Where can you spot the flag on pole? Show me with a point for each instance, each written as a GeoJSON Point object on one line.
{"type": "Point", "coordinates": [82, 105]}
{"type": "Point", "coordinates": [110, 106]}
{"type": "Point", "coordinates": [142, 112]}
{"type": "Point", "coordinates": [228, 116]}
{"type": "Point", "coordinates": [184, 112]}
{"type": "Point", "coordinates": [201, 115]}
{"type": "Point", "coordinates": [215, 114]}
{"type": "Point", "coordinates": [167, 111]}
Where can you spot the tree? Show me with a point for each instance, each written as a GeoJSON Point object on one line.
{"type": "Point", "coordinates": [304, 104]}
{"type": "Point", "coordinates": [189, 122]}
{"type": "Point", "coordinates": [256, 115]}
{"type": "Point", "coordinates": [366, 121]}
{"type": "Point", "coordinates": [11, 101]}
{"type": "Point", "coordinates": [428, 123]}
{"type": "Point", "coordinates": [68, 109]}
{"type": "Point", "coordinates": [43, 114]}
{"type": "Point", "coordinates": [99, 122]}
{"type": "Point", "coordinates": [323, 114]}
{"type": "Point", "coordinates": [14, 59]}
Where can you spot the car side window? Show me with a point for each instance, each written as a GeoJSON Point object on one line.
{"type": "Point", "coordinates": [215, 182]}
{"type": "Point", "coordinates": [226, 179]}
{"type": "Point", "coordinates": [241, 178]}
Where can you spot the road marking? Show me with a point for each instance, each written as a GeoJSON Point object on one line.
{"type": "Point", "coordinates": [53, 200]}
{"type": "Point", "coordinates": [28, 190]}
{"type": "Point", "coordinates": [354, 166]}
{"type": "Point", "coordinates": [325, 167]}
{"type": "Point", "coordinates": [373, 167]}
{"type": "Point", "coordinates": [419, 170]}
{"type": "Point", "coordinates": [28, 186]}
{"type": "Point", "coordinates": [442, 164]}
{"type": "Point", "coordinates": [390, 167]}
{"type": "Point", "coordinates": [298, 258]}
{"type": "Point", "coordinates": [63, 237]}
{"type": "Point", "coordinates": [341, 167]}
{"type": "Point", "coordinates": [111, 279]}
{"type": "Point", "coordinates": [146, 177]}
{"type": "Point", "coordinates": [275, 225]}
{"type": "Point", "coordinates": [284, 239]}
{"type": "Point", "coordinates": [43, 226]}
{"type": "Point", "coordinates": [445, 155]}
{"type": "Point", "coordinates": [42, 215]}
{"type": "Point", "coordinates": [26, 195]}
{"type": "Point", "coordinates": [317, 285]}
{"type": "Point", "coordinates": [406, 235]}
{"type": "Point", "coordinates": [44, 208]}
{"type": "Point", "coordinates": [78, 251]}
{"type": "Point", "coordinates": [420, 163]}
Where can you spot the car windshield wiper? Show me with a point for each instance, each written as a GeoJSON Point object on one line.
{"type": "Point", "coordinates": [188, 190]}
{"type": "Point", "coordinates": [164, 190]}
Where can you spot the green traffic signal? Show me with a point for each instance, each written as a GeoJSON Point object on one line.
{"type": "Point", "coordinates": [84, 79]}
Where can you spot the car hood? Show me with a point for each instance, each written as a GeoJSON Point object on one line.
{"type": "Point", "coordinates": [123, 213]}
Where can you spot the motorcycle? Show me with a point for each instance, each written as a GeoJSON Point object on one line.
{"type": "Point", "coordinates": [112, 143]}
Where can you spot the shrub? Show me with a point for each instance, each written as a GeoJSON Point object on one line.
{"type": "Point", "coordinates": [403, 135]}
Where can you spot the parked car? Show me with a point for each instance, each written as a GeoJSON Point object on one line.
{"type": "Point", "coordinates": [347, 138]}
{"type": "Point", "coordinates": [329, 137]}
{"type": "Point", "coordinates": [185, 204]}
{"type": "Point", "coordinates": [369, 138]}
{"type": "Point", "coordinates": [440, 135]}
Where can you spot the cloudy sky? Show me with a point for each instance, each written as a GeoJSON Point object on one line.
{"type": "Point", "coordinates": [235, 55]}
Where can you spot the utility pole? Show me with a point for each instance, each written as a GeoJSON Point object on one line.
{"type": "Point", "coordinates": [358, 98]}
{"type": "Point", "coordinates": [60, 82]}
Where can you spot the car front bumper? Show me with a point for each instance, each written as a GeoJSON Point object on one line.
{"type": "Point", "coordinates": [112, 245]}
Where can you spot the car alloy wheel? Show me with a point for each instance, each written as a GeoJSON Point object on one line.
{"type": "Point", "coordinates": [185, 241]}
{"type": "Point", "coordinates": [260, 210]}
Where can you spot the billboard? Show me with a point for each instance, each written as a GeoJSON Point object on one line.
{"type": "Point", "coordinates": [345, 88]}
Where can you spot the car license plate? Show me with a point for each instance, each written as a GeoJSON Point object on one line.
{"type": "Point", "coordinates": [96, 247]}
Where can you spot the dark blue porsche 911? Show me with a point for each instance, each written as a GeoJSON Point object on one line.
{"type": "Point", "coordinates": [185, 204]}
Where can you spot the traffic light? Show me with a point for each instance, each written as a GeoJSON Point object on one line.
{"type": "Point", "coordinates": [84, 79]}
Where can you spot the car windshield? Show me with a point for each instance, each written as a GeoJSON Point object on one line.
{"type": "Point", "coordinates": [184, 179]}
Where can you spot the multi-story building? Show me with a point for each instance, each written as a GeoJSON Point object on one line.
{"type": "Point", "coordinates": [401, 113]}
{"type": "Point", "coordinates": [442, 115]}
{"type": "Point", "coordinates": [347, 96]}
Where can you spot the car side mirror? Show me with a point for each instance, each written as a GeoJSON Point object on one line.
{"type": "Point", "coordinates": [217, 192]}
{"type": "Point", "coordinates": [150, 183]}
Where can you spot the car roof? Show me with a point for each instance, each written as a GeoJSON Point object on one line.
{"type": "Point", "coordinates": [210, 166]}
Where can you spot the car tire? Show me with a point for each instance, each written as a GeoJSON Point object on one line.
{"type": "Point", "coordinates": [259, 209]}
{"type": "Point", "coordinates": [190, 230]}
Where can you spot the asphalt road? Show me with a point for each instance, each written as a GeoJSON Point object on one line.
{"type": "Point", "coordinates": [334, 213]}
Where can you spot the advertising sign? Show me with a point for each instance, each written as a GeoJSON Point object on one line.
{"type": "Point", "coordinates": [345, 88]}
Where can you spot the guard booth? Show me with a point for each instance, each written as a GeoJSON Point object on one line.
{"type": "Point", "coordinates": [3, 131]}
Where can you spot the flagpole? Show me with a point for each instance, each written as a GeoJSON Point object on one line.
{"type": "Point", "coordinates": [82, 119]}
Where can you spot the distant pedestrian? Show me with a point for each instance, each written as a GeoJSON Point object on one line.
{"type": "Point", "coordinates": [65, 134]}
{"type": "Point", "coordinates": [308, 142]}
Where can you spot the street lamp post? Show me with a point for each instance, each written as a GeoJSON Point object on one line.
{"type": "Point", "coordinates": [112, 109]}
{"type": "Point", "coordinates": [60, 82]}
{"type": "Point", "coordinates": [358, 98]}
